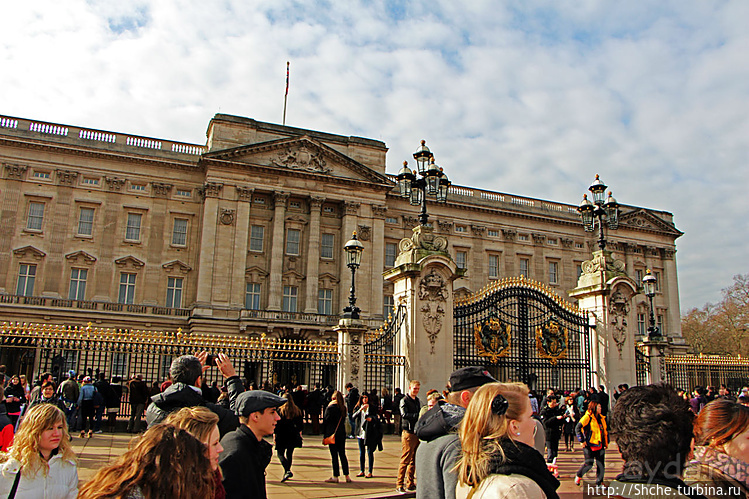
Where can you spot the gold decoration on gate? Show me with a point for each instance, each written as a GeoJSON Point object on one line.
{"type": "Point", "coordinates": [552, 342]}
{"type": "Point", "coordinates": [493, 340]}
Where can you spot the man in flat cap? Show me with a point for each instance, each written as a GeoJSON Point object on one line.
{"type": "Point", "coordinates": [246, 454]}
{"type": "Point", "coordinates": [439, 449]}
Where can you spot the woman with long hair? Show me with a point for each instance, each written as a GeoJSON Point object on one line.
{"type": "Point", "coordinates": [591, 431]}
{"type": "Point", "coordinates": [41, 462]}
{"type": "Point", "coordinates": [571, 416]}
{"type": "Point", "coordinates": [498, 458]}
{"type": "Point", "coordinates": [202, 423]}
{"type": "Point", "coordinates": [368, 432]}
{"type": "Point", "coordinates": [334, 426]}
{"type": "Point", "coordinates": [165, 462]}
{"type": "Point", "coordinates": [721, 452]}
{"type": "Point", "coordinates": [15, 395]}
{"type": "Point", "coordinates": [48, 396]}
{"type": "Point", "coordinates": [288, 433]}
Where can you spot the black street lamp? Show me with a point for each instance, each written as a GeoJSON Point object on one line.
{"type": "Point", "coordinates": [353, 250]}
{"type": "Point", "coordinates": [606, 211]}
{"type": "Point", "coordinates": [431, 180]}
{"type": "Point", "coordinates": [648, 286]}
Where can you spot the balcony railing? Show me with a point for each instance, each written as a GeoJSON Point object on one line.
{"type": "Point", "coordinates": [42, 301]}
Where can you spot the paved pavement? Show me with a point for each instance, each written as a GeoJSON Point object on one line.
{"type": "Point", "coordinates": [312, 466]}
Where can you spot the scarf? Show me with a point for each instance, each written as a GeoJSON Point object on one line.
{"type": "Point", "coordinates": [735, 468]}
{"type": "Point", "coordinates": [522, 459]}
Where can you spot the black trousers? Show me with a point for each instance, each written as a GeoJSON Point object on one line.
{"type": "Point", "coordinates": [286, 456]}
{"type": "Point", "coordinates": [338, 451]}
{"type": "Point", "coordinates": [552, 447]}
{"type": "Point", "coordinates": [591, 456]}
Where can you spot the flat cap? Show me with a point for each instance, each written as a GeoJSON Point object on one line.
{"type": "Point", "coordinates": [257, 400]}
{"type": "Point", "coordinates": [470, 377]}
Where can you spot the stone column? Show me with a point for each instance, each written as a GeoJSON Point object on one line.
{"type": "Point", "coordinates": [313, 255]}
{"type": "Point", "coordinates": [376, 305]}
{"type": "Point", "coordinates": [348, 226]}
{"type": "Point", "coordinates": [239, 288]}
{"type": "Point", "coordinates": [423, 281]}
{"type": "Point", "coordinates": [656, 352]}
{"type": "Point", "coordinates": [210, 193]}
{"type": "Point", "coordinates": [277, 249]}
{"type": "Point", "coordinates": [351, 349]}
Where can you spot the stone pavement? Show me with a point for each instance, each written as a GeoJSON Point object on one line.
{"type": "Point", "coordinates": [312, 465]}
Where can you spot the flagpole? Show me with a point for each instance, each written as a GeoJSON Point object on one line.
{"type": "Point", "coordinates": [286, 95]}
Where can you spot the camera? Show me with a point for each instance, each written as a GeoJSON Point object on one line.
{"type": "Point", "coordinates": [210, 360]}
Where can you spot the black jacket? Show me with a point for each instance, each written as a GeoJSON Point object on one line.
{"type": "Point", "coordinates": [333, 423]}
{"type": "Point", "coordinates": [243, 463]}
{"type": "Point", "coordinates": [409, 409]}
{"type": "Point", "coordinates": [180, 395]}
{"type": "Point", "coordinates": [288, 433]}
{"type": "Point", "coordinates": [552, 425]}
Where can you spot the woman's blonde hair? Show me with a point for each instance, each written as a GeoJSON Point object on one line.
{"type": "Point", "coordinates": [289, 410]}
{"type": "Point", "coordinates": [198, 421]}
{"type": "Point", "coordinates": [481, 430]}
{"type": "Point", "coordinates": [25, 447]}
{"type": "Point", "coordinates": [337, 399]}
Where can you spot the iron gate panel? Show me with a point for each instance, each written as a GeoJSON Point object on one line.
{"type": "Point", "coordinates": [520, 330]}
{"type": "Point", "coordinates": [383, 362]}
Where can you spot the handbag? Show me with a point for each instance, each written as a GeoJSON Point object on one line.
{"type": "Point", "coordinates": [331, 439]}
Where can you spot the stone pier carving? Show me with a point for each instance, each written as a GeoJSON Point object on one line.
{"type": "Point", "coordinates": [433, 293]}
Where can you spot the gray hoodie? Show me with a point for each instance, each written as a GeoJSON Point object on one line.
{"type": "Point", "coordinates": [438, 451]}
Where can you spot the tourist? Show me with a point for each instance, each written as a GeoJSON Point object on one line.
{"type": "Point", "coordinates": [725, 393]}
{"type": "Point", "coordinates": [164, 462]}
{"type": "Point", "coordinates": [368, 433]}
{"type": "Point", "coordinates": [498, 458]}
{"type": "Point", "coordinates": [333, 426]}
{"type": "Point", "coordinates": [246, 453]}
{"type": "Point", "coordinates": [69, 391]}
{"type": "Point", "coordinates": [433, 397]}
{"type": "Point", "coordinates": [138, 396]}
{"type": "Point", "coordinates": [37, 390]}
{"type": "Point", "coordinates": [202, 424]}
{"type": "Point", "coordinates": [111, 405]}
{"type": "Point", "coordinates": [288, 434]}
{"type": "Point", "coordinates": [721, 450]}
{"type": "Point", "coordinates": [48, 397]}
{"type": "Point", "coordinates": [652, 426]}
{"type": "Point", "coordinates": [592, 433]}
{"type": "Point", "coordinates": [315, 403]}
{"type": "Point", "coordinates": [41, 462]}
{"type": "Point", "coordinates": [439, 446]}
{"type": "Point", "coordinates": [552, 417]}
{"type": "Point", "coordinates": [409, 411]}
{"type": "Point", "coordinates": [187, 377]}
{"type": "Point", "coordinates": [15, 395]}
{"type": "Point", "coordinates": [351, 399]}
{"type": "Point", "coordinates": [6, 430]}
{"type": "Point", "coordinates": [87, 406]}
{"type": "Point", "coordinates": [387, 405]}
{"type": "Point", "coordinates": [26, 387]}
{"type": "Point", "coordinates": [698, 400]}
{"type": "Point", "coordinates": [571, 416]}
{"type": "Point", "coordinates": [603, 399]}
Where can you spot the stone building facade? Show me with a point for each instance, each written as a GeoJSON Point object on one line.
{"type": "Point", "coordinates": [245, 234]}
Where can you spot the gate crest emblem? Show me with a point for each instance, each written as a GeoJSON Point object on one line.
{"type": "Point", "coordinates": [552, 342]}
{"type": "Point", "coordinates": [493, 340]}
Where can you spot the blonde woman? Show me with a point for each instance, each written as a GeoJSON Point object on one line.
{"type": "Point", "coordinates": [498, 458]}
{"type": "Point", "coordinates": [202, 423]}
{"type": "Point", "coordinates": [41, 462]}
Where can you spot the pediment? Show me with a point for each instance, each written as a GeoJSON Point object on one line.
{"type": "Point", "coordinates": [255, 273]}
{"type": "Point", "coordinates": [129, 262]}
{"type": "Point", "coordinates": [327, 278]}
{"type": "Point", "coordinates": [300, 155]}
{"type": "Point", "coordinates": [177, 265]}
{"type": "Point", "coordinates": [644, 220]}
{"type": "Point", "coordinates": [29, 252]}
{"type": "Point", "coordinates": [80, 256]}
{"type": "Point", "coordinates": [293, 275]}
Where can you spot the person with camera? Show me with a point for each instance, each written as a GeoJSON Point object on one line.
{"type": "Point", "coordinates": [187, 376]}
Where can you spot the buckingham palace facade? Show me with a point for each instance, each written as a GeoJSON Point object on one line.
{"type": "Point", "coordinates": [244, 234]}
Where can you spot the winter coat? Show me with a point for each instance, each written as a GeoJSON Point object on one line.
{"type": "Point", "coordinates": [552, 424]}
{"type": "Point", "coordinates": [6, 430]}
{"type": "Point", "coordinates": [332, 423]}
{"type": "Point", "coordinates": [70, 390]}
{"type": "Point", "coordinates": [409, 410]}
{"type": "Point", "coordinates": [711, 470]}
{"type": "Point", "coordinates": [180, 395]}
{"type": "Point", "coordinates": [54, 401]}
{"type": "Point", "coordinates": [592, 430]}
{"type": "Point", "coordinates": [502, 487]}
{"type": "Point", "coordinates": [138, 392]}
{"type": "Point", "coordinates": [288, 431]}
{"type": "Point", "coordinates": [60, 482]}
{"type": "Point", "coordinates": [243, 463]}
{"type": "Point", "coordinates": [18, 392]}
{"type": "Point", "coordinates": [370, 431]}
{"type": "Point", "coordinates": [438, 451]}
{"type": "Point", "coordinates": [106, 390]}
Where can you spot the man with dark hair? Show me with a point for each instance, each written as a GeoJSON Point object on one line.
{"type": "Point", "coordinates": [552, 417]}
{"type": "Point", "coordinates": [698, 400]}
{"type": "Point", "coordinates": [653, 429]}
{"type": "Point", "coordinates": [351, 399]}
{"type": "Point", "coordinates": [439, 448]}
{"type": "Point", "coordinates": [603, 399]}
{"type": "Point", "coordinates": [409, 410]}
{"type": "Point", "coordinates": [138, 397]}
{"type": "Point", "coordinates": [187, 377]}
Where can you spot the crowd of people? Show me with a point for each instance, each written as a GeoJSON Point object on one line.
{"type": "Point", "coordinates": [478, 438]}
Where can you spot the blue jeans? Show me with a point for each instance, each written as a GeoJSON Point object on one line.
{"type": "Point", "coordinates": [369, 451]}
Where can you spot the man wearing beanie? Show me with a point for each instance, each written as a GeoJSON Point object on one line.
{"type": "Point", "coordinates": [439, 449]}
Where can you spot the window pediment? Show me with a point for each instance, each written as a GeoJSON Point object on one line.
{"type": "Point", "coordinates": [129, 262]}
{"type": "Point", "coordinates": [29, 252]}
{"type": "Point", "coordinates": [80, 257]}
{"type": "Point", "coordinates": [177, 266]}
{"type": "Point", "coordinates": [327, 280]}
{"type": "Point", "coordinates": [292, 278]}
{"type": "Point", "coordinates": [255, 274]}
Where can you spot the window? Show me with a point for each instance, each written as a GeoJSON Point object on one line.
{"type": "Point", "coordinates": [179, 232]}
{"type": "Point", "coordinates": [132, 231]}
{"type": "Point", "coordinates": [524, 264]}
{"type": "Point", "coordinates": [460, 228]}
{"type": "Point", "coordinates": [325, 301]}
{"type": "Point", "coordinates": [174, 292]}
{"type": "Point", "coordinates": [41, 175]}
{"type": "Point", "coordinates": [26, 277]}
{"type": "Point", "coordinates": [292, 241]}
{"type": "Point", "coordinates": [71, 359]}
{"type": "Point", "coordinates": [119, 364]}
{"type": "Point", "coordinates": [657, 281]}
{"type": "Point", "coordinates": [494, 266]}
{"type": "Point", "coordinates": [579, 269]}
{"type": "Point", "coordinates": [138, 187]}
{"type": "Point", "coordinates": [388, 306]}
{"type": "Point", "coordinates": [328, 209]}
{"type": "Point", "coordinates": [127, 288]}
{"type": "Point", "coordinates": [257, 234]}
{"type": "Point", "coordinates": [579, 245]}
{"type": "Point", "coordinates": [165, 366]}
{"type": "Point", "coordinates": [391, 220]}
{"type": "Point", "coordinates": [522, 237]}
{"type": "Point", "coordinates": [493, 233]}
{"type": "Point", "coordinates": [36, 216]}
{"type": "Point", "coordinates": [659, 320]}
{"type": "Point", "coordinates": [86, 222]}
{"type": "Point", "coordinates": [184, 193]}
{"type": "Point", "coordinates": [258, 200]}
{"type": "Point", "coordinates": [638, 277]}
{"type": "Point", "coordinates": [552, 242]}
{"type": "Point", "coordinates": [553, 273]}
{"type": "Point", "coordinates": [252, 296]}
{"type": "Point", "coordinates": [289, 298]}
{"type": "Point", "coordinates": [90, 181]}
{"type": "Point", "coordinates": [326, 246]}
{"type": "Point", "coordinates": [77, 290]}
{"type": "Point", "coordinates": [641, 329]}
{"type": "Point", "coordinates": [460, 259]}
{"type": "Point", "coordinates": [295, 204]}
{"type": "Point", "coordinates": [391, 250]}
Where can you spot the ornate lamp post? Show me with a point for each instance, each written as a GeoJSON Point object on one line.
{"type": "Point", "coordinates": [431, 180]}
{"type": "Point", "coordinates": [648, 286]}
{"type": "Point", "coordinates": [354, 251]}
{"type": "Point", "coordinates": [606, 211]}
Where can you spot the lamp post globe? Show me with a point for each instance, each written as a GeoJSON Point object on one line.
{"type": "Point", "coordinates": [430, 180]}
{"type": "Point", "coordinates": [604, 211]}
{"type": "Point", "coordinates": [648, 286]}
{"type": "Point", "coordinates": [354, 249]}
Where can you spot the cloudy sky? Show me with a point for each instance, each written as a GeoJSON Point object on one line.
{"type": "Point", "coordinates": [525, 97]}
